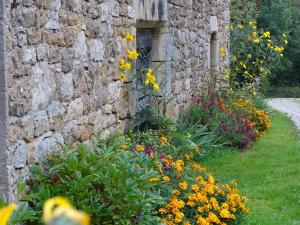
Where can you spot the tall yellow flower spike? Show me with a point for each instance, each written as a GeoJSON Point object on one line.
{"type": "Point", "coordinates": [59, 206]}
{"type": "Point", "coordinates": [6, 212]}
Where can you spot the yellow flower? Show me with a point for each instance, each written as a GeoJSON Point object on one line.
{"type": "Point", "coordinates": [127, 66]}
{"type": "Point", "coordinates": [178, 217]}
{"type": "Point", "coordinates": [249, 56]}
{"type": "Point", "coordinates": [241, 26]}
{"type": "Point", "coordinates": [202, 221]}
{"type": "Point", "coordinates": [266, 34]}
{"type": "Point", "coordinates": [129, 37]}
{"type": "Point", "coordinates": [243, 65]}
{"type": "Point", "coordinates": [122, 64]}
{"type": "Point", "coordinates": [270, 46]}
{"type": "Point", "coordinates": [139, 148]}
{"type": "Point", "coordinates": [279, 49]}
{"type": "Point", "coordinates": [164, 140]}
{"type": "Point", "coordinates": [176, 192]}
{"type": "Point", "coordinates": [223, 53]}
{"type": "Point", "coordinates": [178, 165]}
{"type": "Point", "coordinates": [256, 41]}
{"type": "Point", "coordinates": [50, 205]}
{"type": "Point", "coordinates": [132, 55]}
{"type": "Point", "coordinates": [122, 146]}
{"type": "Point", "coordinates": [261, 69]}
{"type": "Point", "coordinates": [226, 214]}
{"type": "Point", "coordinates": [166, 178]}
{"type": "Point", "coordinates": [162, 211]}
{"type": "Point", "coordinates": [213, 218]}
{"type": "Point", "coordinates": [197, 149]}
{"type": "Point", "coordinates": [154, 179]}
{"type": "Point", "coordinates": [150, 79]}
{"type": "Point", "coordinates": [211, 179]}
{"type": "Point", "coordinates": [156, 87]}
{"type": "Point", "coordinates": [58, 206]}
{"type": "Point", "coordinates": [286, 42]}
{"type": "Point", "coordinates": [191, 203]}
{"type": "Point", "coordinates": [187, 222]}
{"type": "Point", "coordinates": [234, 183]}
{"type": "Point", "coordinates": [254, 34]}
{"type": "Point", "coordinates": [122, 77]}
{"type": "Point", "coordinates": [195, 187]}
{"type": "Point", "coordinates": [6, 212]}
{"type": "Point", "coordinates": [183, 185]}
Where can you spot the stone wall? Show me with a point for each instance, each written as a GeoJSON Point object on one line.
{"type": "Point", "coordinates": [62, 82]}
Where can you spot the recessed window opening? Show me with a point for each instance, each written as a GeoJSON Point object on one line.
{"type": "Point", "coordinates": [214, 59]}
{"type": "Point", "coordinates": [144, 62]}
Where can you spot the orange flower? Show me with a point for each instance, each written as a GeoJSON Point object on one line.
{"type": "Point", "coordinates": [139, 148]}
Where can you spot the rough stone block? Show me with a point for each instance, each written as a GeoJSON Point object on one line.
{"type": "Point", "coordinates": [47, 144]}
{"type": "Point", "coordinates": [42, 86]}
{"type": "Point", "coordinates": [19, 151]}
{"type": "Point", "coordinates": [28, 55]}
{"type": "Point", "coordinates": [66, 88]}
{"type": "Point", "coordinates": [95, 50]}
{"type": "Point", "coordinates": [75, 109]}
{"type": "Point", "coordinates": [42, 51]}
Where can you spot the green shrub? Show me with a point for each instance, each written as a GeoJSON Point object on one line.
{"type": "Point", "coordinates": [112, 187]}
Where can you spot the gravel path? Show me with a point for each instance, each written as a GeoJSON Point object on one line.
{"type": "Point", "coordinates": [289, 106]}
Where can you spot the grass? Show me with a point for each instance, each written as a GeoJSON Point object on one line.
{"type": "Point", "coordinates": [268, 174]}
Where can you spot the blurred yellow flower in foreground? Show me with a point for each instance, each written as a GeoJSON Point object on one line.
{"type": "Point", "coordinates": [6, 212]}
{"type": "Point", "coordinates": [58, 206]}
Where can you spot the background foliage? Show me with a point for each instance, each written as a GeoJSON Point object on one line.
{"type": "Point", "coordinates": [278, 17]}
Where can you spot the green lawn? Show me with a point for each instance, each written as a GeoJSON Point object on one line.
{"type": "Point", "coordinates": [268, 174]}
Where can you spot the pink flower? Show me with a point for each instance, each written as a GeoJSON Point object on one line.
{"type": "Point", "coordinates": [149, 150]}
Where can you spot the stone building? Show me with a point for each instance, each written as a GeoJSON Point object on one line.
{"type": "Point", "coordinates": [59, 78]}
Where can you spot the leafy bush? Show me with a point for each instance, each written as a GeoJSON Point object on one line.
{"type": "Point", "coordinates": [235, 120]}
{"type": "Point", "coordinates": [133, 179]}
{"type": "Point", "coordinates": [112, 187]}
{"type": "Point", "coordinates": [258, 116]}
{"type": "Point", "coordinates": [198, 199]}
{"type": "Point", "coordinates": [194, 196]}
